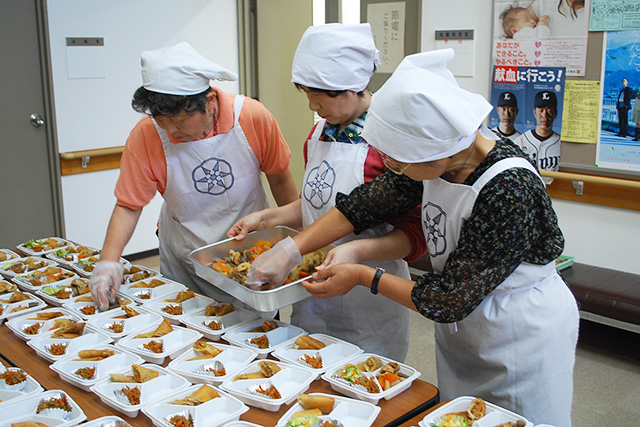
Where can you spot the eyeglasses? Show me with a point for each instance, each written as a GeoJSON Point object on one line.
{"type": "Point", "coordinates": [391, 163]}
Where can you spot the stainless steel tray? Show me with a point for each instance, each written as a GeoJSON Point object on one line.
{"type": "Point", "coordinates": [269, 300]}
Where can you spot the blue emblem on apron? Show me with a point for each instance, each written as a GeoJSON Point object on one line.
{"type": "Point", "coordinates": [213, 176]}
{"type": "Point", "coordinates": [435, 222]}
{"type": "Point", "coordinates": [318, 187]}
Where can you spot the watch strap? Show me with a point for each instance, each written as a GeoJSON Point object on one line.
{"type": "Point", "coordinates": [376, 278]}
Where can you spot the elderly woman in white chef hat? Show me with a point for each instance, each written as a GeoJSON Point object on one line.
{"type": "Point", "coordinates": [203, 150]}
{"type": "Point", "coordinates": [332, 66]}
{"type": "Point", "coordinates": [507, 324]}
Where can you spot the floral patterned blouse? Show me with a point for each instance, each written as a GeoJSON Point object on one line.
{"type": "Point", "coordinates": [512, 222]}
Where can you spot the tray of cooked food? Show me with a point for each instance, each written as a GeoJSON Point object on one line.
{"type": "Point", "coordinates": [119, 322]}
{"type": "Point", "coordinates": [212, 363]}
{"type": "Point", "coordinates": [67, 339]}
{"type": "Point", "coordinates": [42, 246]}
{"type": "Point", "coordinates": [199, 405]}
{"type": "Point", "coordinates": [17, 266]}
{"type": "Point", "coordinates": [59, 293]}
{"type": "Point", "coordinates": [86, 367]}
{"type": "Point", "coordinates": [217, 319]}
{"type": "Point", "coordinates": [468, 410]}
{"type": "Point", "coordinates": [49, 408]}
{"type": "Point", "coordinates": [263, 335]}
{"type": "Point", "coordinates": [85, 307]}
{"type": "Point", "coordinates": [7, 254]}
{"type": "Point", "coordinates": [178, 304]}
{"type": "Point", "coordinates": [150, 288]}
{"type": "Point", "coordinates": [564, 261]}
{"type": "Point", "coordinates": [36, 279]}
{"type": "Point", "coordinates": [72, 253]}
{"type": "Point", "coordinates": [16, 383]}
{"type": "Point", "coordinates": [107, 421]}
{"type": "Point", "coordinates": [329, 410]}
{"type": "Point", "coordinates": [317, 352]}
{"type": "Point", "coordinates": [18, 303]}
{"type": "Point", "coordinates": [155, 343]}
{"type": "Point", "coordinates": [40, 323]}
{"type": "Point", "coordinates": [226, 263]}
{"type": "Point", "coordinates": [268, 384]}
{"type": "Point", "coordinates": [370, 377]}
{"type": "Point", "coordinates": [130, 388]}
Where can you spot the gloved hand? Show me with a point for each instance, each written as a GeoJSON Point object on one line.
{"type": "Point", "coordinates": [104, 282]}
{"type": "Point", "coordinates": [274, 265]}
{"type": "Point", "coordinates": [345, 253]}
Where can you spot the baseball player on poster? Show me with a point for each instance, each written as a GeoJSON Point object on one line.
{"type": "Point", "coordinates": [541, 143]}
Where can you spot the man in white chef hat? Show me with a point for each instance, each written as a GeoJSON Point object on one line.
{"type": "Point", "coordinates": [333, 65]}
{"type": "Point", "coordinates": [203, 150]}
{"type": "Point", "coordinates": [506, 324]}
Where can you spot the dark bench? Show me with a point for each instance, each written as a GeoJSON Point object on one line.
{"type": "Point", "coordinates": [604, 292]}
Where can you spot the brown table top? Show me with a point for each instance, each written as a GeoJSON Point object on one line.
{"type": "Point", "coordinates": [394, 412]}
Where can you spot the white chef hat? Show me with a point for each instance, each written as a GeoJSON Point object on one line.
{"type": "Point", "coordinates": [421, 114]}
{"type": "Point", "coordinates": [335, 57]}
{"type": "Point", "coordinates": [180, 70]}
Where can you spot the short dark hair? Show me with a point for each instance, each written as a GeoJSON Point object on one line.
{"type": "Point", "coordinates": [331, 93]}
{"type": "Point", "coordinates": [157, 104]}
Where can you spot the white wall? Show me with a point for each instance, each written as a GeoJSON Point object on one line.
{"type": "Point", "coordinates": [597, 235]}
{"type": "Point", "coordinates": [96, 112]}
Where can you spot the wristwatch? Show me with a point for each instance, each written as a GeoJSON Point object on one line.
{"type": "Point", "coordinates": [374, 283]}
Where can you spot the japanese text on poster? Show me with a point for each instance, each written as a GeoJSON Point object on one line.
{"type": "Point", "coordinates": [387, 25]}
{"type": "Point", "coordinates": [614, 15]}
{"type": "Point", "coordinates": [543, 34]}
{"type": "Point", "coordinates": [581, 106]}
{"type": "Point", "coordinates": [528, 104]}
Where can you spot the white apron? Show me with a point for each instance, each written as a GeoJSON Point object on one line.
{"type": "Point", "coordinates": [372, 322]}
{"type": "Point", "coordinates": [517, 348]}
{"type": "Point", "coordinates": [211, 183]}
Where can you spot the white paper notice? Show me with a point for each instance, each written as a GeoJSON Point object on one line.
{"type": "Point", "coordinates": [86, 62]}
{"type": "Point", "coordinates": [387, 25]}
{"type": "Point", "coordinates": [463, 63]}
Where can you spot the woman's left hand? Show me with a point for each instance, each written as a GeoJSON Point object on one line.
{"type": "Point", "coordinates": [335, 280]}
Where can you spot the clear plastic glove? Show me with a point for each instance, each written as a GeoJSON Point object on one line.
{"type": "Point", "coordinates": [105, 282]}
{"type": "Point", "coordinates": [274, 265]}
{"type": "Point", "coordinates": [345, 253]}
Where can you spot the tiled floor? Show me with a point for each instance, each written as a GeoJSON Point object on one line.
{"type": "Point", "coordinates": [606, 377]}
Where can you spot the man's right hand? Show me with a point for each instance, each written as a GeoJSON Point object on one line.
{"type": "Point", "coordinates": [105, 282]}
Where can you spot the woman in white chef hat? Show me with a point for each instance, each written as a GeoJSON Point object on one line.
{"type": "Point", "coordinates": [203, 150]}
{"type": "Point", "coordinates": [332, 66]}
{"type": "Point", "coordinates": [507, 324]}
